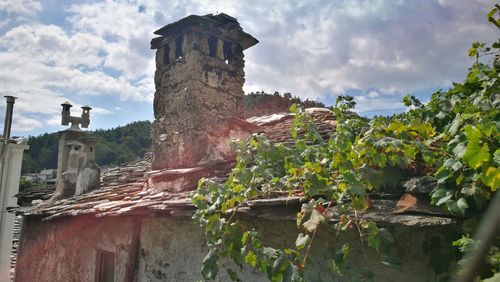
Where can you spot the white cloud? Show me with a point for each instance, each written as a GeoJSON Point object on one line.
{"type": "Point", "coordinates": [331, 47]}
{"type": "Point", "coordinates": [44, 65]}
{"type": "Point", "coordinates": [21, 7]}
{"type": "Point", "coordinates": [373, 94]}
{"type": "Point", "coordinates": [24, 123]}
{"type": "Point", "coordinates": [56, 60]}
{"type": "Point", "coordinates": [310, 48]}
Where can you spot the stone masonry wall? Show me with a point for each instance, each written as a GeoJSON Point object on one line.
{"type": "Point", "coordinates": [195, 88]}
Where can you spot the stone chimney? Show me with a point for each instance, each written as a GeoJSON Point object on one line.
{"type": "Point", "coordinates": [77, 171]}
{"type": "Point", "coordinates": [199, 78]}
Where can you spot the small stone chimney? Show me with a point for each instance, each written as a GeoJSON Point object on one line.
{"type": "Point", "coordinates": [77, 171]}
{"type": "Point", "coordinates": [199, 78]}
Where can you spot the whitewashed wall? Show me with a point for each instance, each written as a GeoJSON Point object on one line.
{"type": "Point", "coordinates": [10, 187]}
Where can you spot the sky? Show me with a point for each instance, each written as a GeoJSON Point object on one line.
{"type": "Point", "coordinates": [97, 53]}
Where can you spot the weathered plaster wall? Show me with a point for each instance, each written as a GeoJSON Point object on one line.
{"type": "Point", "coordinates": [172, 249]}
{"type": "Point", "coordinates": [66, 250]}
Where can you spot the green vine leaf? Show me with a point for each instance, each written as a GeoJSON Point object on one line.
{"type": "Point", "coordinates": [491, 178]}
{"type": "Point", "coordinates": [302, 240]}
{"type": "Point", "coordinates": [459, 207]}
{"type": "Point", "coordinates": [210, 266]}
{"type": "Point", "coordinates": [460, 150]}
{"type": "Point", "coordinates": [455, 124]}
{"type": "Point", "coordinates": [251, 259]}
{"type": "Point", "coordinates": [476, 155]}
{"type": "Point", "coordinates": [496, 157]}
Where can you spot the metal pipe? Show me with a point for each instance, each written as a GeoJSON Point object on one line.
{"type": "Point", "coordinates": [6, 136]}
{"type": "Point", "coordinates": [8, 117]}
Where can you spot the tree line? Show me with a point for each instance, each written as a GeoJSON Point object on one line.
{"type": "Point", "coordinates": [126, 143]}
{"type": "Point", "coordinates": [261, 103]}
{"type": "Point", "coordinates": [117, 145]}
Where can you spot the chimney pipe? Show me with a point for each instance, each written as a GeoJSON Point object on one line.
{"type": "Point", "coordinates": [66, 113]}
{"type": "Point", "coordinates": [8, 118]}
{"type": "Point", "coordinates": [6, 135]}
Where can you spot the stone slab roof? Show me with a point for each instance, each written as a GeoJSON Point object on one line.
{"type": "Point", "coordinates": [213, 22]}
{"type": "Point", "coordinates": [133, 189]}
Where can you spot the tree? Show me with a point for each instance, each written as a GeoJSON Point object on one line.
{"type": "Point", "coordinates": [117, 145]}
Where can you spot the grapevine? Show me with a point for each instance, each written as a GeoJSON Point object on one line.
{"type": "Point", "coordinates": [454, 137]}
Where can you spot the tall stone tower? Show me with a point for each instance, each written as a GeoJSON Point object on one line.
{"type": "Point", "coordinates": [199, 78]}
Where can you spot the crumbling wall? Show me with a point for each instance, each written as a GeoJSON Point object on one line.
{"type": "Point", "coordinates": [66, 250]}
{"type": "Point", "coordinates": [172, 249]}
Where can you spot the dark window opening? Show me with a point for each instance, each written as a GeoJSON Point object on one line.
{"type": "Point", "coordinates": [91, 149]}
{"type": "Point", "coordinates": [212, 46]}
{"type": "Point", "coordinates": [105, 266]}
{"type": "Point", "coordinates": [166, 53]}
{"type": "Point", "coordinates": [231, 51]}
{"type": "Point", "coordinates": [228, 51]}
{"type": "Point", "coordinates": [178, 47]}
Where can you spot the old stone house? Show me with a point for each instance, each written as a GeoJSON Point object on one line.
{"type": "Point", "coordinates": [137, 226]}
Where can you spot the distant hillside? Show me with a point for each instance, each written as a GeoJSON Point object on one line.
{"type": "Point", "coordinates": [119, 145]}
{"type": "Point", "coordinates": [261, 103]}
{"type": "Point", "coordinates": [125, 143]}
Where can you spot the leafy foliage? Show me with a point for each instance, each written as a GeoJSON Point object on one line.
{"type": "Point", "coordinates": [261, 103]}
{"type": "Point", "coordinates": [492, 266]}
{"type": "Point", "coordinates": [123, 144]}
{"type": "Point", "coordinates": [328, 171]}
{"type": "Point", "coordinates": [468, 116]}
{"type": "Point", "coordinates": [454, 137]}
{"type": "Point", "coordinates": [25, 184]}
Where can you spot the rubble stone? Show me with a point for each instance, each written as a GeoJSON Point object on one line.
{"type": "Point", "coordinates": [199, 78]}
{"type": "Point", "coordinates": [420, 185]}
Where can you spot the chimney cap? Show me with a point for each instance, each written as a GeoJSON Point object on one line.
{"type": "Point", "coordinates": [66, 104]}
{"type": "Point", "coordinates": [87, 107]}
{"type": "Point", "coordinates": [210, 22]}
{"type": "Point", "coordinates": [10, 98]}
